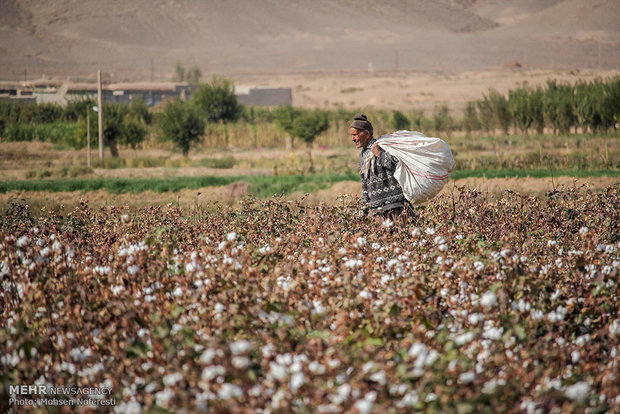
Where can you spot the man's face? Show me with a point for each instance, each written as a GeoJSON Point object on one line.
{"type": "Point", "coordinates": [360, 137]}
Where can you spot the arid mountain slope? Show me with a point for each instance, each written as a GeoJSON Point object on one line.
{"type": "Point", "coordinates": [142, 39]}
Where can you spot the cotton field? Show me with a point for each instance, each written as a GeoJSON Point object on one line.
{"type": "Point", "coordinates": [479, 305]}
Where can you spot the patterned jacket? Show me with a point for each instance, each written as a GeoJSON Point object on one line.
{"type": "Point", "coordinates": [380, 190]}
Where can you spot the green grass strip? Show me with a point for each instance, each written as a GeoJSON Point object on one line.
{"type": "Point", "coordinates": [260, 185]}
{"type": "Point", "coordinates": [456, 175]}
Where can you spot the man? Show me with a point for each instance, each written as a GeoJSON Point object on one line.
{"type": "Point", "coordinates": [381, 193]}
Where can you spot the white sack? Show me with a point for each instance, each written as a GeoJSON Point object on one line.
{"type": "Point", "coordinates": [424, 164]}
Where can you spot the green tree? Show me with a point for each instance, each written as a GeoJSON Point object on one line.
{"type": "Point", "coordinates": [217, 101]}
{"type": "Point", "coordinates": [310, 124]}
{"type": "Point", "coordinates": [519, 109]}
{"type": "Point", "coordinates": [486, 114]}
{"type": "Point", "coordinates": [113, 116]}
{"type": "Point", "coordinates": [180, 123]}
{"type": "Point", "coordinates": [558, 106]}
{"type": "Point", "coordinates": [399, 121]}
{"type": "Point", "coordinates": [442, 120]}
{"type": "Point", "coordinates": [588, 102]}
{"type": "Point", "coordinates": [499, 106]}
{"type": "Point", "coordinates": [77, 108]}
{"type": "Point", "coordinates": [193, 75]}
{"type": "Point", "coordinates": [610, 108]}
{"type": "Point", "coordinates": [179, 72]}
{"type": "Point", "coordinates": [470, 118]}
{"type": "Point", "coordinates": [536, 108]}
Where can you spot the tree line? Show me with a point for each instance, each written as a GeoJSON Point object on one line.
{"type": "Point", "coordinates": [587, 106]}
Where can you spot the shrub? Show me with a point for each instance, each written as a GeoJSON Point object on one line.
{"type": "Point", "coordinates": [470, 118]}
{"type": "Point", "coordinates": [217, 101]}
{"type": "Point", "coordinates": [181, 124]}
{"type": "Point", "coordinates": [399, 121]}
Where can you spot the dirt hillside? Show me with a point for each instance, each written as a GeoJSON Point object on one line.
{"type": "Point", "coordinates": [142, 39]}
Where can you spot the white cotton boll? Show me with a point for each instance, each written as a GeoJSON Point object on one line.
{"type": "Point", "coordinates": [364, 294]}
{"type": "Point", "coordinates": [364, 406]}
{"type": "Point", "coordinates": [416, 232]}
{"type": "Point", "coordinates": [297, 380]}
{"type": "Point", "coordinates": [464, 338]}
{"type": "Point", "coordinates": [388, 223]}
{"type": "Point", "coordinates": [240, 347]}
{"type": "Point", "coordinates": [376, 246]}
{"type": "Point", "coordinates": [537, 314]}
{"type": "Point", "coordinates": [379, 377]}
{"type": "Point", "coordinates": [117, 289]}
{"type": "Point", "coordinates": [129, 407]}
{"type": "Point", "coordinates": [430, 231]}
{"type": "Point", "coordinates": [228, 391]}
{"type": "Point", "coordinates": [277, 371]}
{"type": "Point", "coordinates": [212, 372]}
{"type": "Point", "coordinates": [240, 362]}
{"type": "Point", "coordinates": [133, 269]}
{"type": "Point", "coordinates": [467, 377]}
{"type": "Point", "coordinates": [479, 266]}
{"type": "Point", "coordinates": [171, 379]}
{"type": "Point", "coordinates": [353, 263]}
{"type": "Point", "coordinates": [575, 357]}
{"type": "Point", "coordinates": [22, 241]}
{"type": "Point", "coordinates": [584, 230]}
{"type": "Point", "coordinates": [232, 236]}
{"type": "Point", "coordinates": [614, 328]}
{"type": "Point", "coordinates": [578, 391]}
{"type": "Point", "coordinates": [493, 333]}
{"type": "Point", "coordinates": [488, 299]}
{"type": "Point", "coordinates": [318, 309]}
{"type": "Point", "coordinates": [316, 368]}
{"type": "Point", "coordinates": [164, 396]}
{"type": "Point", "coordinates": [409, 400]}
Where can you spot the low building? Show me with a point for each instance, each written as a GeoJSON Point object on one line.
{"type": "Point", "coordinates": [264, 96]}
{"type": "Point", "coordinates": [152, 93]}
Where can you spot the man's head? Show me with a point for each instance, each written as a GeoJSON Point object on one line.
{"type": "Point", "coordinates": [361, 131]}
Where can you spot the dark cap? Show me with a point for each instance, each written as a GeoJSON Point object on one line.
{"type": "Point", "coordinates": [360, 121]}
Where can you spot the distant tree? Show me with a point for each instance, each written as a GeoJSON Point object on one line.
{"type": "Point", "coordinates": [302, 123]}
{"type": "Point", "coordinates": [399, 121]}
{"type": "Point", "coordinates": [180, 123]}
{"type": "Point", "coordinates": [610, 108]}
{"type": "Point", "coordinates": [77, 108]}
{"type": "Point", "coordinates": [486, 114]}
{"type": "Point", "coordinates": [193, 75]}
{"type": "Point", "coordinates": [589, 99]}
{"type": "Point", "coordinates": [499, 106]}
{"type": "Point", "coordinates": [442, 121]}
{"type": "Point", "coordinates": [470, 118]}
{"type": "Point", "coordinates": [310, 124]}
{"type": "Point", "coordinates": [179, 72]}
{"type": "Point", "coordinates": [558, 106]}
{"type": "Point", "coordinates": [519, 109]}
{"type": "Point", "coordinates": [536, 108]}
{"type": "Point", "coordinates": [113, 116]}
{"type": "Point", "coordinates": [217, 101]}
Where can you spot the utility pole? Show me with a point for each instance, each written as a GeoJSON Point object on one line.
{"type": "Point", "coordinates": [100, 112]}
{"type": "Point", "coordinates": [88, 131]}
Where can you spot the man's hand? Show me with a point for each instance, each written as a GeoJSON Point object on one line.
{"type": "Point", "coordinates": [376, 149]}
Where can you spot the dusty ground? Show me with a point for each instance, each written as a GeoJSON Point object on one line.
{"type": "Point", "coordinates": [408, 91]}
{"type": "Point", "coordinates": [230, 195]}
